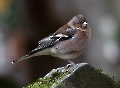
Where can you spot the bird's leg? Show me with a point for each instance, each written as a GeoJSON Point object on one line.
{"type": "Point", "coordinates": [70, 62]}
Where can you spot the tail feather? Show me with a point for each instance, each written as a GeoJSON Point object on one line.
{"type": "Point", "coordinates": [22, 58]}
{"type": "Point", "coordinates": [31, 54]}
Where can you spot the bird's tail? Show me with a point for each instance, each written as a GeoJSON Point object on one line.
{"type": "Point", "coordinates": [31, 54]}
{"type": "Point", "coordinates": [22, 58]}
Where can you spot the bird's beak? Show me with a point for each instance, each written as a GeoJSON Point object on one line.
{"type": "Point", "coordinates": [84, 24]}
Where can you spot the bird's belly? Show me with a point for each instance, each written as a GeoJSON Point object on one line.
{"type": "Point", "coordinates": [66, 56]}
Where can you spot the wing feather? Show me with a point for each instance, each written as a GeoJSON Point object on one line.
{"type": "Point", "coordinates": [50, 41]}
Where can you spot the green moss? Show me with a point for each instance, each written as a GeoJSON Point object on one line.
{"type": "Point", "coordinates": [40, 83]}
{"type": "Point", "coordinates": [52, 78]}
{"type": "Point", "coordinates": [100, 70]}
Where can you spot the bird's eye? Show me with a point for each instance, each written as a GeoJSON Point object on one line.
{"type": "Point", "coordinates": [81, 22]}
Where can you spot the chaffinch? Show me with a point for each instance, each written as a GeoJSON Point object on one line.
{"type": "Point", "coordinates": [68, 42]}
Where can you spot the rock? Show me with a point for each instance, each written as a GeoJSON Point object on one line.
{"type": "Point", "coordinates": [80, 75]}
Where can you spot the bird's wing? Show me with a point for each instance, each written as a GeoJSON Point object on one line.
{"type": "Point", "coordinates": [56, 38]}
{"type": "Point", "coordinates": [50, 41]}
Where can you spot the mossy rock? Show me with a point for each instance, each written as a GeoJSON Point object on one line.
{"type": "Point", "coordinates": [80, 75]}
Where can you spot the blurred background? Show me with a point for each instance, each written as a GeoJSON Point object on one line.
{"type": "Point", "coordinates": [24, 22]}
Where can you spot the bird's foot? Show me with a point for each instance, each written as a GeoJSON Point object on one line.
{"type": "Point", "coordinates": [72, 63]}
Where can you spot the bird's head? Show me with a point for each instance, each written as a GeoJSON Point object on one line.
{"type": "Point", "coordinates": [80, 22]}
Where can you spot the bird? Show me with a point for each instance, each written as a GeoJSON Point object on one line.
{"type": "Point", "coordinates": [67, 43]}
